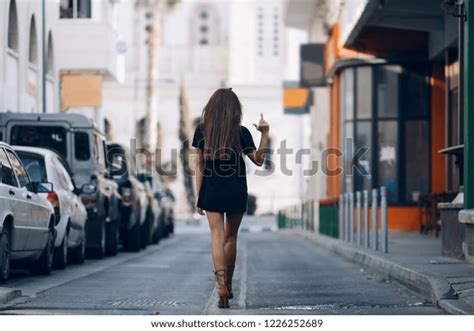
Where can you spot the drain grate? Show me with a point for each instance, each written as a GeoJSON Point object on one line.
{"type": "Point", "coordinates": [322, 307]}
{"type": "Point", "coordinates": [144, 302]}
{"type": "Point", "coordinates": [444, 261]}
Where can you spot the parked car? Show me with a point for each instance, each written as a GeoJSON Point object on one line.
{"type": "Point", "coordinates": [27, 218]}
{"type": "Point", "coordinates": [156, 221]}
{"type": "Point", "coordinates": [44, 165]}
{"type": "Point", "coordinates": [166, 201]}
{"type": "Point", "coordinates": [134, 203]}
{"type": "Point", "coordinates": [76, 139]}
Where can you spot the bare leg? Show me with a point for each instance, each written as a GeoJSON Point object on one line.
{"type": "Point", "coordinates": [216, 224]}
{"type": "Point", "coordinates": [231, 229]}
{"type": "Point", "coordinates": [230, 247]}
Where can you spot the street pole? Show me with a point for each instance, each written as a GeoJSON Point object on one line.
{"type": "Point", "coordinates": [469, 107]}
{"type": "Point", "coordinates": [45, 55]}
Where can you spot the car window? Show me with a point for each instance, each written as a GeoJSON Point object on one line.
{"type": "Point", "coordinates": [34, 164]}
{"type": "Point", "coordinates": [19, 170]}
{"type": "Point", "coordinates": [50, 137]}
{"type": "Point", "coordinates": [82, 150]}
{"type": "Point", "coordinates": [63, 175]}
{"type": "Point", "coordinates": [6, 172]}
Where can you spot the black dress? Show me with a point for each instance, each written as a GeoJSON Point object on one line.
{"type": "Point", "coordinates": [224, 184]}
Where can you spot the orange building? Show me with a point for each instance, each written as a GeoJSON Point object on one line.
{"type": "Point", "coordinates": [391, 92]}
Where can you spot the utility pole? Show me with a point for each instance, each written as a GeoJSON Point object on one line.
{"type": "Point", "coordinates": [469, 107]}
{"type": "Point", "coordinates": [45, 55]}
{"type": "Point", "coordinates": [151, 30]}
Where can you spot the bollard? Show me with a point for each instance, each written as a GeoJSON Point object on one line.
{"type": "Point", "coordinates": [346, 216]}
{"type": "Point", "coordinates": [375, 229]}
{"type": "Point", "coordinates": [383, 218]}
{"type": "Point", "coordinates": [341, 216]}
{"type": "Point", "coordinates": [366, 219]}
{"type": "Point", "coordinates": [351, 217]}
{"type": "Point", "coordinates": [359, 239]}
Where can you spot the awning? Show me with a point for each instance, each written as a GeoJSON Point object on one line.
{"type": "Point", "coordinates": [297, 100]}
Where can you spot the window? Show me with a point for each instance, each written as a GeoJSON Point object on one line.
{"type": "Point", "coordinates": [385, 109]}
{"type": "Point", "coordinates": [50, 63]}
{"type": "Point", "coordinates": [364, 92]}
{"type": "Point", "coordinates": [12, 41]}
{"type": "Point", "coordinates": [387, 154]}
{"type": "Point", "coordinates": [34, 165]}
{"type": "Point", "coordinates": [205, 31]}
{"type": "Point", "coordinates": [33, 49]}
{"type": "Point", "coordinates": [276, 31]}
{"type": "Point", "coordinates": [387, 82]}
{"type": "Point", "coordinates": [20, 172]}
{"type": "Point", "coordinates": [260, 31]}
{"type": "Point", "coordinates": [51, 137]}
{"type": "Point", "coordinates": [417, 176]}
{"type": "Point", "coordinates": [7, 176]}
{"type": "Point", "coordinates": [82, 146]}
{"type": "Point", "coordinates": [63, 175]}
{"type": "Point", "coordinates": [75, 9]}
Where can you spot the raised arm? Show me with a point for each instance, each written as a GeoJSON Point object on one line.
{"type": "Point", "coordinates": [257, 156]}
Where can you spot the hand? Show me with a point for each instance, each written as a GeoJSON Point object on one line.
{"type": "Point", "coordinates": [200, 211]}
{"type": "Point", "coordinates": [263, 125]}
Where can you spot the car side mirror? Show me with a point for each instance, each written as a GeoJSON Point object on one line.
{"type": "Point", "coordinates": [42, 187]}
{"type": "Point", "coordinates": [88, 189]}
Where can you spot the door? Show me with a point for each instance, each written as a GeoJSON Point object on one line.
{"type": "Point", "coordinates": [11, 192]}
{"type": "Point", "coordinates": [71, 201]}
{"type": "Point", "coordinates": [32, 205]}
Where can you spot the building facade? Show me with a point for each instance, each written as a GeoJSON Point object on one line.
{"type": "Point", "coordinates": [205, 45]}
{"type": "Point", "coordinates": [394, 74]}
{"type": "Point", "coordinates": [21, 56]}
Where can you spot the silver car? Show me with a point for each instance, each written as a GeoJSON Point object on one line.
{"type": "Point", "coordinates": [26, 218]}
{"type": "Point", "coordinates": [43, 165]}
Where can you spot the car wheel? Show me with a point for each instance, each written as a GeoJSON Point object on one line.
{"type": "Point", "coordinates": [78, 255]}
{"type": "Point", "coordinates": [44, 264]}
{"type": "Point", "coordinates": [156, 236]}
{"type": "Point", "coordinates": [4, 254]}
{"type": "Point", "coordinates": [60, 254]}
{"type": "Point", "coordinates": [112, 238]}
{"type": "Point", "coordinates": [132, 243]}
{"type": "Point", "coordinates": [145, 233]}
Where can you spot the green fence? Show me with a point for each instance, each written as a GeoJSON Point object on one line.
{"type": "Point", "coordinates": [328, 219]}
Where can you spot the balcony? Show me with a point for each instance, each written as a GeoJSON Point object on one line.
{"type": "Point", "coordinates": [89, 46]}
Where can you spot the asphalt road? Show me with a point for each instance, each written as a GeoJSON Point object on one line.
{"type": "Point", "coordinates": [276, 274]}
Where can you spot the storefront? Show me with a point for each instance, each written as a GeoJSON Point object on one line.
{"type": "Point", "coordinates": [386, 109]}
{"type": "Point", "coordinates": [392, 105]}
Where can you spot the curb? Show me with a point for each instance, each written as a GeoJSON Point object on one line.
{"type": "Point", "coordinates": [434, 289]}
{"type": "Point", "coordinates": [7, 294]}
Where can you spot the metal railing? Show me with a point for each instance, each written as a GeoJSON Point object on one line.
{"type": "Point", "coordinates": [345, 218]}
{"type": "Point", "coordinates": [371, 237]}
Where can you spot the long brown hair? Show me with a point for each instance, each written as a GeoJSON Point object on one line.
{"type": "Point", "coordinates": [222, 117]}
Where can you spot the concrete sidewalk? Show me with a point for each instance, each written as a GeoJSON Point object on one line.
{"type": "Point", "coordinates": [415, 262]}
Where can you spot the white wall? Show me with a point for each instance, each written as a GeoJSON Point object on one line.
{"type": "Point", "coordinates": [18, 95]}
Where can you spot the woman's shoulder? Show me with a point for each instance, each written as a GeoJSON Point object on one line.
{"type": "Point", "coordinates": [244, 129]}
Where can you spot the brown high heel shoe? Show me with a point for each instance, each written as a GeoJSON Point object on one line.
{"type": "Point", "coordinates": [222, 291]}
{"type": "Point", "coordinates": [230, 274]}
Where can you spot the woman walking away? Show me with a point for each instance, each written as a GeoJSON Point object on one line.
{"type": "Point", "coordinates": [221, 178]}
